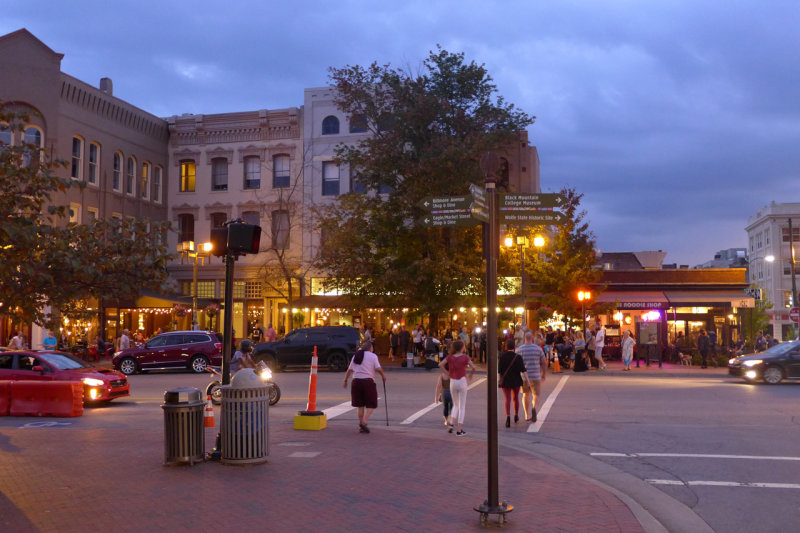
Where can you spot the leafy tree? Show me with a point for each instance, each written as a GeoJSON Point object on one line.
{"type": "Point", "coordinates": [565, 265]}
{"type": "Point", "coordinates": [428, 132]}
{"type": "Point", "coordinates": [45, 261]}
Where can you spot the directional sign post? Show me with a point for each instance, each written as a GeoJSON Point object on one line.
{"type": "Point", "coordinates": [532, 218]}
{"type": "Point", "coordinates": [531, 201]}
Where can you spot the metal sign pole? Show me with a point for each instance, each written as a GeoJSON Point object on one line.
{"type": "Point", "coordinates": [227, 332]}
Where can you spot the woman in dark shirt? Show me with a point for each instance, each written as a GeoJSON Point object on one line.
{"type": "Point", "coordinates": [510, 369]}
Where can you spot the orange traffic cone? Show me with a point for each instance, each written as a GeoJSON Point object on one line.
{"type": "Point", "coordinates": [556, 366]}
{"type": "Point", "coordinates": [208, 416]}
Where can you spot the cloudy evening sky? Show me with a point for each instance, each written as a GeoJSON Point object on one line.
{"type": "Point", "coordinates": [677, 119]}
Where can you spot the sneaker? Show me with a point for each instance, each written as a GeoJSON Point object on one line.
{"type": "Point", "coordinates": [461, 433]}
{"type": "Point", "coordinates": [450, 430]}
{"type": "Point", "coordinates": [363, 428]}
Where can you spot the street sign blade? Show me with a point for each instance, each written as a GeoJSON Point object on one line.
{"type": "Point", "coordinates": [531, 201]}
{"type": "Point", "coordinates": [444, 203]}
{"type": "Point", "coordinates": [531, 218]}
{"type": "Point", "coordinates": [441, 220]}
{"type": "Point", "coordinates": [479, 211]}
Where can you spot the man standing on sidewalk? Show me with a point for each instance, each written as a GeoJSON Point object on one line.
{"type": "Point", "coordinates": [536, 365]}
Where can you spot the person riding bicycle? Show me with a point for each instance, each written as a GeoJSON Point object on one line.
{"type": "Point", "coordinates": [241, 359]}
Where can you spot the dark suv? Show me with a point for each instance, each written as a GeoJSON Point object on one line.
{"type": "Point", "coordinates": [336, 345]}
{"type": "Point", "coordinates": [194, 350]}
{"type": "Point", "coordinates": [780, 362]}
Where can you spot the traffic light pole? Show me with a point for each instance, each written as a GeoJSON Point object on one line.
{"type": "Point", "coordinates": [227, 332]}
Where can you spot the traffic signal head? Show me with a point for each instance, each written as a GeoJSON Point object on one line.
{"type": "Point", "coordinates": [219, 241]}
{"type": "Point", "coordinates": [243, 238]}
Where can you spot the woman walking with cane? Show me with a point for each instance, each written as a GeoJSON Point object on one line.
{"type": "Point", "coordinates": [363, 392]}
{"type": "Point", "coordinates": [457, 363]}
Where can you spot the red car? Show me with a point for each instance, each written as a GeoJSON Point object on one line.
{"type": "Point", "coordinates": [193, 350]}
{"type": "Point", "coordinates": [99, 384]}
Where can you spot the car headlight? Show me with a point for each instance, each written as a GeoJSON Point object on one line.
{"type": "Point", "coordinates": [731, 361]}
{"type": "Point", "coordinates": [266, 374]}
{"type": "Point", "coordinates": [752, 362]}
{"type": "Point", "coordinates": [92, 382]}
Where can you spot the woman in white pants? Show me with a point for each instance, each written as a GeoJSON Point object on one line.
{"type": "Point", "coordinates": [456, 364]}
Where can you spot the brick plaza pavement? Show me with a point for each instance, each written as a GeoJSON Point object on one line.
{"type": "Point", "coordinates": [63, 479]}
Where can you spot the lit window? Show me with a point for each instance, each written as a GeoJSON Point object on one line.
{"type": "Point", "coordinates": [76, 169]}
{"type": "Point", "coordinates": [188, 174]}
{"type": "Point", "coordinates": [281, 176]}
{"type": "Point", "coordinates": [185, 228]}
{"type": "Point", "coordinates": [75, 213]}
{"type": "Point", "coordinates": [252, 172]}
{"type": "Point", "coordinates": [280, 230]}
{"type": "Point", "coordinates": [116, 183]}
{"type": "Point", "coordinates": [157, 185]}
{"type": "Point", "coordinates": [330, 125]}
{"type": "Point", "coordinates": [94, 162]}
{"type": "Point", "coordinates": [219, 174]}
{"type": "Point", "coordinates": [145, 180]}
{"type": "Point", "coordinates": [330, 178]}
{"type": "Point", "coordinates": [92, 213]}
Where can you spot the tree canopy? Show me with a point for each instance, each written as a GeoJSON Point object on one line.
{"type": "Point", "coordinates": [428, 131]}
{"type": "Point", "coordinates": [46, 261]}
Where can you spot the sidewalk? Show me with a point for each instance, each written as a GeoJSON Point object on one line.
{"type": "Point", "coordinates": [394, 479]}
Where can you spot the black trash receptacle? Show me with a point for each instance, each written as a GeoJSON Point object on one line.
{"type": "Point", "coordinates": [184, 434]}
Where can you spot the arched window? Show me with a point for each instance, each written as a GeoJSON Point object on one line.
{"type": "Point", "coordinates": [330, 125]}
{"type": "Point", "coordinates": [33, 135]}
{"type": "Point", "coordinates": [281, 176]}
{"type": "Point", "coordinates": [116, 178]}
{"type": "Point", "coordinates": [358, 124]}
{"type": "Point", "coordinates": [94, 163]}
{"type": "Point", "coordinates": [185, 228]}
{"type": "Point", "coordinates": [32, 138]}
{"type": "Point", "coordinates": [130, 176]}
{"type": "Point", "coordinates": [145, 180]}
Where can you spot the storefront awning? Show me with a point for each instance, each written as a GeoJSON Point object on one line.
{"type": "Point", "coordinates": [635, 299]}
{"type": "Point", "coordinates": [723, 298]}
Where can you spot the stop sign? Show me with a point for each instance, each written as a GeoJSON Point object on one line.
{"type": "Point", "coordinates": [794, 314]}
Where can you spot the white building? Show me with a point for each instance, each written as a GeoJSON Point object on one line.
{"type": "Point", "coordinates": [770, 251]}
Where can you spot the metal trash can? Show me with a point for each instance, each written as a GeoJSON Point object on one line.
{"type": "Point", "coordinates": [184, 435]}
{"type": "Point", "coordinates": [244, 428]}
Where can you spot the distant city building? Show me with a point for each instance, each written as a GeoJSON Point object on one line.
{"type": "Point", "coordinates": [770, 251]}
{"type": "Point", "coordinates": [645, 260]}
{"type": "Point", "coordinates": [730, 258]}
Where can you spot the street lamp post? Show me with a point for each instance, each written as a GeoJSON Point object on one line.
{"type": "Point", "coordinates": [583, 296]}
{"type": "Point", "coordinates": [202, 251]}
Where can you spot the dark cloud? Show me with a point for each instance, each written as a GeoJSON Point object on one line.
{"type": "Point", "coordinates": [677, 119]}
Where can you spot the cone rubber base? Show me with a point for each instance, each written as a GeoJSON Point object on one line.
{"type": "Point", "coordinates": [310, 422]}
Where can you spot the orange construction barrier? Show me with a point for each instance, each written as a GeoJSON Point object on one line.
{"type": "Point", "coordinates": [208, 416]}
{"type": "Point", "coordinates": [46, 398]}
{"type": "Point", "coordinates": [5, 397]}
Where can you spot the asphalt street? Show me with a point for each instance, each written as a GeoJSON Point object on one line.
{"type": "Point", "coordinates": [725, 449]}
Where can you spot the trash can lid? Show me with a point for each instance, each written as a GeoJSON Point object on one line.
{"type": "Point", "coordinates": [246, 378]}
{"type": "Point", "coordinates": [182, 395]}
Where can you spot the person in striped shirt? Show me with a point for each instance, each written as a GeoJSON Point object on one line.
{"type": "Point", "coordinates": [536, 366]}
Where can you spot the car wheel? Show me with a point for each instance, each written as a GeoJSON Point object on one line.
{"type": "Point", "coordinates": [337, 362]}
{"type": "Point", "coordinates": [127, 366]}
{"type": "Point", "coordinates": [772, 375]}
{"type": "Point", "coordinates": [198, 364]}
{"type": "Point", "coordinates": [269, 360]}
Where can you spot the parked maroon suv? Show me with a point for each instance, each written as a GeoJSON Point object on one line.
{"type": "Point", "coordinates": [194, 350]}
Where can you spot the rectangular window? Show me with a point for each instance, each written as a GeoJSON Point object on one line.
{"type": "Point", "coordinates": [238, 290]}
{"type": "Point", "coordinates": [92, 213]}
{"type": "Point", "coordinates": [281, 176]}
{"type": "Point", "coordinates": [76, 170]}
{"type": "Point", "coordinates": [75, 213]}
{"type": "Point", "coordinates": [356, 185]}
{"type": "Point", "coordinates": [280, 230]}
{"type": "Point", "coordinates": [205, 289]}
{"type": "Point", "coordinates": [795, 233]}
{"type": "Point", "coordinates": [787, 299]}
{"type": "Point", "coordinates": [188, 175]}
{"type": "Point", "coordinates": [251, 217]}
{"type": "Point", "coordinates": [145, 180]}
{"type": "Point", "coordinates": [219, 174]}
{"type": "Point", "coordinates": [94, 161]}
{"type": "Point", "coordinates": [253, 289]}
{"type": "Point", "coordinates": [252, 172]}
{"type": "Point", "coordinates": [157, 185]}
{"type": "Point", "coordinates": [116, 182]}
{"type": "Point", "coordinates": [218, 219]}
{"type": "Point", "coordinates": [330, 178]}
{"type": "Point", "coordinates": [185, 228]}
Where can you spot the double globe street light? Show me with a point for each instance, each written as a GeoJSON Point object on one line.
{"type": "Point", "coordinates": [522, 243]}
{"type": "Point", "coordinates": [196, 251]}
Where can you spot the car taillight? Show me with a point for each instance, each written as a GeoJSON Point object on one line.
{"type": "Point", "coordinates": [218, 346]}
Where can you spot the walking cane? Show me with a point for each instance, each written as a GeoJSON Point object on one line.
{"type": "Point", "coordinates": [385, 404]}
